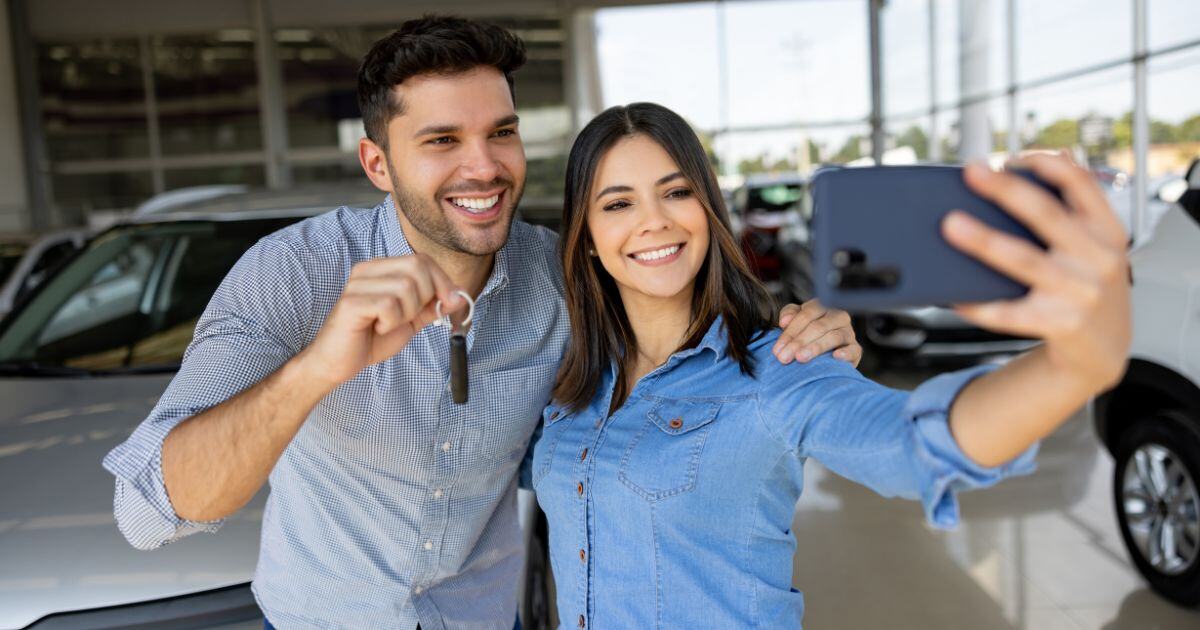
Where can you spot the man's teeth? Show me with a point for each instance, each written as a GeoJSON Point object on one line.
{"type": "Point", "coordinates": [474, 203]}
{"type": "Point", "coordinates": [658, 253]}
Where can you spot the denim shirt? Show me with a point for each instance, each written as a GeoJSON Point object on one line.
{"type": "Point", "coordinates": [676, 510]}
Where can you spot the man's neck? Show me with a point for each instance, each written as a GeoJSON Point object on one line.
{"type": "Point", "coordinates": [467, 271]}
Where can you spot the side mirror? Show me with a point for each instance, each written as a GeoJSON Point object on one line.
{"type": "Point", "coordinates": [1171, 190]}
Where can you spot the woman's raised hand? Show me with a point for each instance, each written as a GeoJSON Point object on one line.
{"type": "Point", "coordinates": [1078, 300]}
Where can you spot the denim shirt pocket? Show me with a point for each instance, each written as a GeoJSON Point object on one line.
{"type": "Point", "coordinates": [663, 458]}
{"type": "Point", "coordinates": [555, 420]}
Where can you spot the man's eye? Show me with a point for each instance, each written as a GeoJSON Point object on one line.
{"type": "Point", "coordinates": [506, 133]}
{"type": "Point", "coordinates": [442, 140]}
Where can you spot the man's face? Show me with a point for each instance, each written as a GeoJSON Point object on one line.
{"type": "Point", "coordinates": [455, 159]}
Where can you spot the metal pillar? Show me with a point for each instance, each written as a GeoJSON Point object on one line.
{"type": "Point", "coordinates": [877, 133]}
{"type": "Point", "coordinates": [270, 97]}
{"type": "Point", "coordinates": [41, 211]}
{"type": "Point", "coordinates": [153, 134]}
{"type": "Point", "coordinates": [1141, 120]}
{"type": "Point", "coordinates": [1014, 132]}
{"type": "Point", "coordinates": [935, 141]}
{"type": "Point", "coordinates": [975, 136]}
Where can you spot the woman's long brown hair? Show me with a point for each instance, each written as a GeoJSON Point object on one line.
{"type": "Point", "coordinates": [725, 285]}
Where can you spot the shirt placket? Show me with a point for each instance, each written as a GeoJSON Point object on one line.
{"type": "Point", "coordinates": [446, 446]}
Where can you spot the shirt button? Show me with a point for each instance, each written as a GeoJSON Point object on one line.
{"type": "Point", "coordinates": [676, 423]}
{"type": "Point", "coordinates": [428, 545]}
{"type": "Point", "coordinates": [445, 447]}
{"type": "Point", "coordinates": [554, 415]}
{"type": "Point", "coordinates": [579, 488]}
{"type": "Point", "coordinates": [583, 456]}
{"type": "Point", "coordinates": [418, 590]}
{"type": "Point", "coordinates": [437, 494]}
{"type": "Point", "coordinates": [582, 556]}
{"type": "Point", "coordinates": [582, 621]}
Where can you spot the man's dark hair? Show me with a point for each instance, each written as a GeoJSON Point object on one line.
{"type": "Point", "coordinates": [434, 44]}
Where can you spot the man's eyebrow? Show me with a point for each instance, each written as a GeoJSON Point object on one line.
{"type": "Point", "coordinates": [511, 119]}
{"type": "Point", "coordinates": [623, 188]}
{"type": "Point", "coordinates": [437, 129]}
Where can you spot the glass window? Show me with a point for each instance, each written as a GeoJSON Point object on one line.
{"type": "Point", "coordinates": [250, 174]}
{"type": "Point", "coordinates": [662, 54]}
{"type": "Point", "coordinates": [101, 191]}
{"type": "Point", "coordinates": [207, 93]}
{"type": "Point", "coordinates": [992, 46]}
{"type": "Point", "coordinates": [907, 141]}
{"type": "Point", "coordinates": [1173, 91]}
{"type": "Point", "coordinates": [906, 57]}
{"type": "Point", "coordinates": [1065, 35]}
{"type": "Point", "coordinates": [131, 299]}
{"type": "Point", "coordinates": [92, 99]}
{"type": "Point", "coordinates": [793, 61]}
{"type": "Point", "coordinates": [1090, 117]}
{"type": "Point", "coordinates": [1172, 22]}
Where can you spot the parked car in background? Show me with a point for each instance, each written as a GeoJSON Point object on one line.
{"type": "Point", "coordinates": [83, 360]}
{"type": "Point", "coordinates": [36, 262]}
{"type": "Point", "coordinates": [1150, 422]}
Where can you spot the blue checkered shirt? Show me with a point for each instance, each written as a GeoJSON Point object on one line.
{"type": "Point", "coordinates": [392, 506]}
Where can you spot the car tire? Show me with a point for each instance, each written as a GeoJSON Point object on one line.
{"type": "Point", "coordinates": [537, 604]}
{"type": "Point", "coordinates": [1155, 486]}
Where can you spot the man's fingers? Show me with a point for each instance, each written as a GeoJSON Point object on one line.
{"type": "Point", "coordinates": [787, 313]}
{"type": "Point", "coordinates": [851, 354]}
{"type": "Point", "coordinates": [794, 319]}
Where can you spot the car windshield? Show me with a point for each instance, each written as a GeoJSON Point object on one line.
{"type": "Point", "coordinates": [10, 255]}
{"type": "Point", "coordinates": [129, 301]}
{"type": "Point", "coordinates": [776, 197]}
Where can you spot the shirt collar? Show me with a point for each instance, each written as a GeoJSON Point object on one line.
{"type": "Point", "coordinates": [396, 244]}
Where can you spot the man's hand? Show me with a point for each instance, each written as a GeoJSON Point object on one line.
{"type": "Point", "coordinates": [383, 305]}
{"type": "Point", "coordinates": [810, 330]}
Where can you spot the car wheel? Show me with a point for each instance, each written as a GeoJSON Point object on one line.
{"type": "Point", "coordinates": [1158, 502]}
{"type": "Point", "coordinates": [537, 576]}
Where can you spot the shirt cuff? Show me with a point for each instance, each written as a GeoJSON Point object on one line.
{"type": "Point", "coordinates": [950, 470]}
{"type": "Point", "coordinates": [142, 508]}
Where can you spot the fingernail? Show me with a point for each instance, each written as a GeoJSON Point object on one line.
{"type": "Point", "coordinates": [786, 355]}
{"type": "Point", "coordinates": [805, 356]}
{"type": "Point", "coordinates": [958, 221]}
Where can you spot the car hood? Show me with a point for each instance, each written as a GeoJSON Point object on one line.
{"type": "Point", "coordinates": [59, 545]}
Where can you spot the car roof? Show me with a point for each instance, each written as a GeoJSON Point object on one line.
{"type": "Point", "coordinates": [265, 204]}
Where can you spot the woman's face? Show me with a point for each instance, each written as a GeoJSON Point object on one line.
{"type": "Point", "coordinates": [647, 224]}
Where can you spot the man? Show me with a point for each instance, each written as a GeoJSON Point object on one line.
{"type": "Point", "coordinates": [315, 365]}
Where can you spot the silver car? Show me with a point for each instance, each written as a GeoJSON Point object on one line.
{"type": "Point", "coordinates": [82, 362]}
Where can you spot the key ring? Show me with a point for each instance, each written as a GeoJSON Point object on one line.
{"type": "Point", "coordinates": [444, 320]}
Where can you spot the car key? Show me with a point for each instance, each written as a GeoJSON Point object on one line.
{"type": "Point", "coordinates": [459, 384]}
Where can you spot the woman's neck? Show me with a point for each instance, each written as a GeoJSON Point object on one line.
{"type": "Point", "coordinates": [659, 325]}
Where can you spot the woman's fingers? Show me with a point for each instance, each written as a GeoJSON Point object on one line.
{"type": "Point", "coordinates": [1080, 191]}
{"type": "Point", "coordinates": [1019, 259]}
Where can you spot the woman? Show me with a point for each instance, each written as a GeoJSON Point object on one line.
{"type": "Point", "coordinates": [672, 457]}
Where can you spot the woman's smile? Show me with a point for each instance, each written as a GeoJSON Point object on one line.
{"type": "Point", "coordinates": [657, 256]}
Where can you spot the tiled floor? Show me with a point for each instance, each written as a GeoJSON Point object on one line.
{"type": "Point", "coordinates": [1036, 553]}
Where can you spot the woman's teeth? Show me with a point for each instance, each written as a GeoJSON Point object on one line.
{"type": "Point", "coordinates": [658, 253]}
{"type": "Point", "coordinates": [476, 204]}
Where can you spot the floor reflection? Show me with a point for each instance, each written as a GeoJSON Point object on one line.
{"type": "Point", "coordinates": [1037, 552]}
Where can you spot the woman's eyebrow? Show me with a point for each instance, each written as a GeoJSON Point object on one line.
{"type": "Point", "coordinates": [623, 188]}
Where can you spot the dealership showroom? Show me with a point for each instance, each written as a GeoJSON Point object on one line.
{"type": "Point", "coordinates": [195, 212]}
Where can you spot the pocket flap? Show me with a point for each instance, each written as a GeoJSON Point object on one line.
{"type": "Point", "coordinates": [677, 417]}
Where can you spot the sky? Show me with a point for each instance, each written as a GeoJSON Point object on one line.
{"type": "Point", "coordinates": [807, 60]}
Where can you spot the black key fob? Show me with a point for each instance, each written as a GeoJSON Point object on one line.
{"type": "Point", "coordinates": [458, 367]}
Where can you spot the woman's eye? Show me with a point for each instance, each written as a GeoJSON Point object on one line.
{"type": "Point", "coordinates": [680, 193]}
{"type": "Point", "coordinates": [616, 205]}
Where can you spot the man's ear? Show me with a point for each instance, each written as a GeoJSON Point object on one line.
{"type": "Point", "coordinates": [374, 163]}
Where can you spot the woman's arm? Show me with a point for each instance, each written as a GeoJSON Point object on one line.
{"type": "Point", "coordinates": [1078, 304]}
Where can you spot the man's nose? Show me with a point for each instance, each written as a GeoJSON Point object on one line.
{"type": "Point", "coordinates": [479, 163]}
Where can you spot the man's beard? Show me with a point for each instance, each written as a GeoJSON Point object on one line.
{"type": "Point", "coordinates": [429, 218]}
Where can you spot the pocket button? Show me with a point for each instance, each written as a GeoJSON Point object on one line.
{"type": "Point", "coordinates": [676, 423]}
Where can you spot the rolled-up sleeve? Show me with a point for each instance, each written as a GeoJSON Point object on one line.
{"type": "Point", "coordinates": [894, 442]}
{"type": "Point", "coordinates": [253, 324]}
{"type": "Point", "coordinates": [949, 469]}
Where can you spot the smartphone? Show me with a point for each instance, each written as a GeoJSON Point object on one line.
{"type": "Point", "coordinates": [877, 240]}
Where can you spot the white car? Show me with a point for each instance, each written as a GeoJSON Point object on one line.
{"type": "Point", "coordinates": [1150, 422]}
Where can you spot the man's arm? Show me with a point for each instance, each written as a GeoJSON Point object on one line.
{"type": "Point", "coordinates": [214, 462]}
